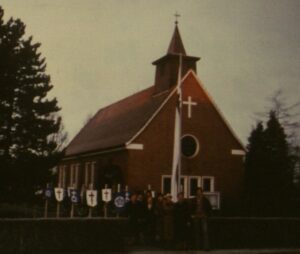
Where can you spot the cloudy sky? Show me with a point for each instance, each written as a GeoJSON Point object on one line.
{"type": "Point", "coordinates": [101, 51]}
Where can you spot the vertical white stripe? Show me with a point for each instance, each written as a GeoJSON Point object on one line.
{"type": "Point", "coordinates": [176, 165]}
{"type": "Point", "coordinates": [176, 157]}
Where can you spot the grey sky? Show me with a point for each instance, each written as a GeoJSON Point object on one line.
{"type": "Point", "coordinates": [101, 51]}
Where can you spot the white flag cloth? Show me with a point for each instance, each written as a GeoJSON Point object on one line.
{"type": "Point", "coordinates": [176, 165]}
{"type": "Point", "coordinates": [92, 198]}
{"type": "Point", "coordinates": [59, 194]}
{"type": "Point", "coordinates": [176, 157]}
{"type": "Point", "coordinates": [106, 195]}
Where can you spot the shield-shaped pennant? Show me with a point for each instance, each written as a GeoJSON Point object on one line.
{"type": "Point", "coordinates": [59, 194]}
{"type": "Point", "coordinates": [119, 201]}
{"type": "Point", "coordinates": [75, 197]}
{"type": "Point", "coordinates": [48, 193]}
{"type": "Point", "coordinates": [106, 195]}
{"type": "Point", "coordinates": [92, 198]}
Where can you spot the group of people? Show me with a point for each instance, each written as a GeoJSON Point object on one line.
{"type": "Point", "coordinates": [159, 220]}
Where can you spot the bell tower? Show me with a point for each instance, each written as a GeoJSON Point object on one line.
{"type": "Point", "coordinates": [167, 66]}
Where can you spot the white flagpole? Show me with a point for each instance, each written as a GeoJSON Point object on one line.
{"type": "Point", "coordinates": [176, 167]}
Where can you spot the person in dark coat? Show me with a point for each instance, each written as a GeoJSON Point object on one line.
{"type": "Point", "coordinates": [159, 213]}
{"type": "Point", "coordinates": [150, 220]}
{"type": "Point", "coordinates": [168, 206]}
{"type": "Point", "coordinates": [182, 221]}
{"type": "Point", "coordinates": [135, 212]}
{"type": "Point", "coordinates": [201, 209]}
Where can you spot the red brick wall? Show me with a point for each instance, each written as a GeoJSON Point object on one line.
{"type": "Point", "coordinates": [143, 167]}
{"type": "Point", "coordinates": [214, 158]}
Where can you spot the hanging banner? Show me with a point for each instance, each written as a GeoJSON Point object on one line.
{"type": "Point", "coordinates": [106, 195]}
{"type": "Point", "coordinates": [75, 197]}
{"type": "Point", "coordinates": [59, 194]}
{"type": "Point", "coordinates": [92, 198]}
{"type": "Point", "coordinates": [119, 201]}
{"type": "Point", "coordinates": [48, 193]}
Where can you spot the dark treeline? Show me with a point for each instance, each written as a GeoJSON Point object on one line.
{"type": "Point", "coordinates": [271, 163]}
{"type": "Point", "coordinates": [29, 121]}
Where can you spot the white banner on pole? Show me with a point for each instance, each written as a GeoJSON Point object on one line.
{"type": "Point", "coordinates": [59, 194]}
{"type": "Point", "coordinates": [92, 198]}
{"type": "Point", "coordinates": [106, 195]}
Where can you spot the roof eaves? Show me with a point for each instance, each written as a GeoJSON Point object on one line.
{"type": "Point", "coordinates": [95, 152]}
{"type": "Point", "coordinates": [157, 111]}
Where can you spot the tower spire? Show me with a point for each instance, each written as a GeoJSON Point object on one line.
{"type": "Point", "coordinates": [176, 44]}
{"type": "Point", "coordinates": [167, 66]}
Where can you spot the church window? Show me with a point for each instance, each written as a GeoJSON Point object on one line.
{"type": "Point", "coordinates": [166, 184]}
{"type": "Point", "coordinates": [208, 184]}
{"type": "Point", "coordinates": [189, 146]}
{"type": "Point", "coordinates": [183, 185]}
{"type": "Point", "coordinates": [194, 183]}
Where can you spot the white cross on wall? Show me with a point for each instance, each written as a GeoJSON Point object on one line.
{"type": "Point", "coordinates": [189, 103]}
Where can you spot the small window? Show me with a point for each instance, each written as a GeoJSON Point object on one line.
{"type": "Point", "coordinates": [183, 185]}
{"type": "Point", "coordinates": [208, 184]}
{"type": "Point", "coordinates": [193, 186]}
{"type": "Point", "coordinates": [189, 146]}
{"type": "Point", "coordinates": [166, 184]}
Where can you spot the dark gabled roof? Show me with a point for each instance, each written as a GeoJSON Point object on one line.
{"type": "Point", "coordinates": [116, 124]}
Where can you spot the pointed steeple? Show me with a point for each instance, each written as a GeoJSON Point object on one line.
{"type": "Point", "coordinates": [176, 44]}
{"type": "Point", "coordinates": [167, 66]}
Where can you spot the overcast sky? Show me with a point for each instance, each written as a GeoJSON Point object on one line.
{"type": "Point", "coordinates": [100, 51]}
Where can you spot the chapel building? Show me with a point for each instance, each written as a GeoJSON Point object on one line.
{"type": "Point", "coordinates": [131, 141]}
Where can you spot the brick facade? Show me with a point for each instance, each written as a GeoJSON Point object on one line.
{"type": "Point", "coordinates": [145, 156]}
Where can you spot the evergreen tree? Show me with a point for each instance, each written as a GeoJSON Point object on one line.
{"type": "Point", "coordinates": [278, 166]}
{"type": "Point", "coordinates": [254, 168]}
{"type": "Point", "coordinates": [268, 170]}
{"type": "Point", "coordinates": [28, 118]}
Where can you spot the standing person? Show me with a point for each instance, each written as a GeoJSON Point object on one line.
{"type": "Point", "coordinates": [201, 209]}
{"type": "Point", "coordinates": [150, 220]}
{"type": "Point", "coordinates": [181, 222]}
{"type": "Point", "coordinates": [168, 220]}
{"type": "Point", "coordinates": [134, 212]}
{"type": "Point", "coordinates": [159, 213]}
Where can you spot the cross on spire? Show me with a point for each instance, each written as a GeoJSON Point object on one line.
{"type": "Point", "coordinates": [176, 15]}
